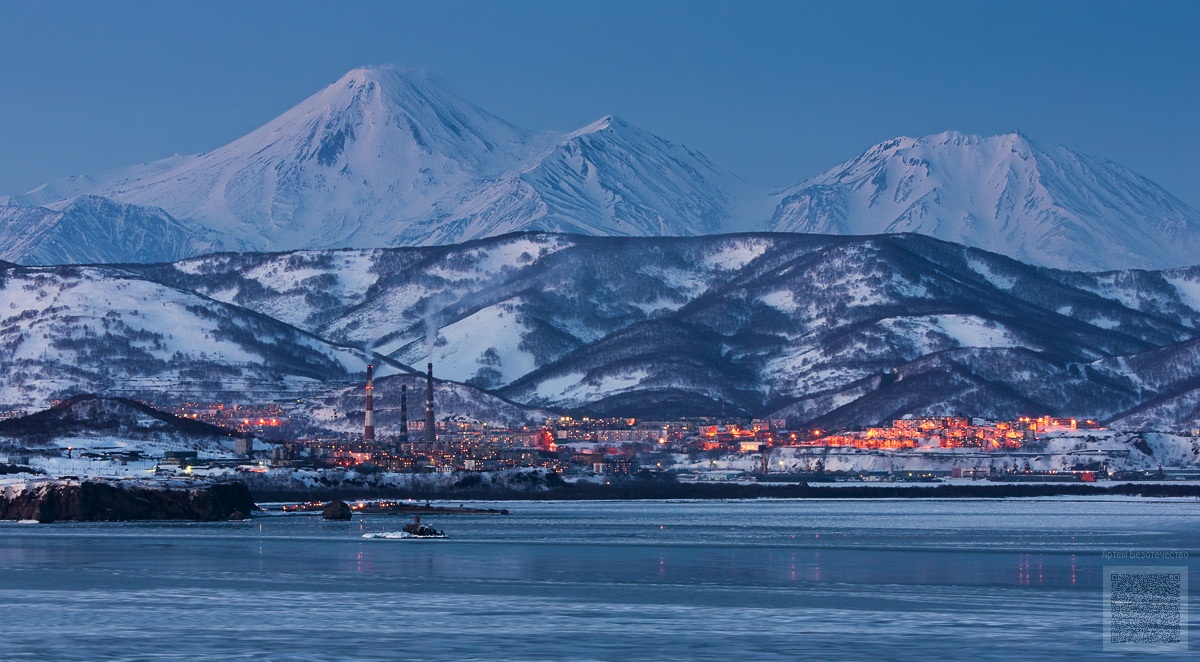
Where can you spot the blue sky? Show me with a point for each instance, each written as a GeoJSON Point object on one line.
{"type": "Point", "coordinates": [775, 91]}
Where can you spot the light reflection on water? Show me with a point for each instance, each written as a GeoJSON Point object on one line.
{"type": "Point", "coordinates": [602, 580]}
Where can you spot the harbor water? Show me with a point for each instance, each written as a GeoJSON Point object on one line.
{"type": "Point", "coordinates": [688, 580]}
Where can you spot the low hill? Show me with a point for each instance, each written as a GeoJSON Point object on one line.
{"type": "Point", "coordinates": [106, 420]}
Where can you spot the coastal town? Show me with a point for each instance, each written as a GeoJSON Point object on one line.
{"type": "Point", "coordinates": [692, 331]}
{"type": "Point", "coordinates": [271, 446]}
{"type": "Point", "coordinates": [264, 439]}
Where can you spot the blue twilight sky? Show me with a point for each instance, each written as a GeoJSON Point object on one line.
{"type": "Point", "coordinates": [775, 91]}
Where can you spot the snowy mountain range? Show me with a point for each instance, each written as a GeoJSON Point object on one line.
{"type": "Point", "coordinates": [826, 330]}
{"type": "Point", "coordinates": [385, 157]}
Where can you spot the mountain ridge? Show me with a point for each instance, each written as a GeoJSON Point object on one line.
{"type": "Point", "coordinates": [821, 328]}
{"type": "Point", "coordinates": [388, 157]}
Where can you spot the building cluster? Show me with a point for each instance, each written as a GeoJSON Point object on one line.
{"type": "Point", "coordinates": [746, 438]}
{"type": "Point", "coordinates": [949, 432]}
{"type": "Point", "coordinates": [262, 419]}
{"type": "Point", "coordinates": [444, 446]}
{"type": "Point", "coordinates": [499, 449]}
{"type": "Point", "coordinates": [615, 445]}
{"type": "Point", "coordinates": [568, 430]}
{"type": "Point", "coordinates": [627, 445]}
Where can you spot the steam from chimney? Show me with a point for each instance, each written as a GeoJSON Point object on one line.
{"type": "Point", "coordinates": [432, 321]}
{"type": "Point", "coordinates": [430, 434]}
{"type": "Point", "coordinates": [369, 423]}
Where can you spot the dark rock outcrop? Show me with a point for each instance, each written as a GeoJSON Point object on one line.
{"type": "Point", "coordinates": [111, 501]}
{"type": "Point", "coordinates": [337, 510]}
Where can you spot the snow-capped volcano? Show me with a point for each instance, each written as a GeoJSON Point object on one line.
{"type": "Point", "coordinates": [387, 157]}
{"type": "Point", "coordinates": [343, 168]}
{"type": "Point", "coordinates": [1042, 204]}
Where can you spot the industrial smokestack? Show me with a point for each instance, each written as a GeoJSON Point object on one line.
{"type": "Point", "coordinates": [430, 435]}
{"type": "Point", "coordinates": [404, 414]}
{"type": "Point", "coordinates": [369, 423]}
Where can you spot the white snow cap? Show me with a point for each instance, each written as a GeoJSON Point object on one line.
{"type": "Point", "coordinates": [1043, 204]}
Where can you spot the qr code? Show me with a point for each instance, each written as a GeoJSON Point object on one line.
{"type": "Point", "coordinates": [1145, 608]}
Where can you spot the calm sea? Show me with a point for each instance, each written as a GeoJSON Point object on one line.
{"type": "Point", "coordinates": [728, 580]}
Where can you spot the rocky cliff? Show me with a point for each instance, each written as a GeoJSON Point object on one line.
{"type": "Point", "coordinates": [110, 501]}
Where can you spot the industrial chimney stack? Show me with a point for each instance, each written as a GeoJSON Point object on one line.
{"type": "Point", "coordinates": [369, 423]}
{"type": "Point", "coordinates": [403, 414]}
{"type": "Point", "coordinates": [430, 435]}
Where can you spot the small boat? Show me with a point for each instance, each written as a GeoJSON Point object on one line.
{"type": "Point", "coordinates": [418, 530]}
{"type": "Point", "coordinates": [399, 535]}
{"type": "Point", "coordinates": [414, 529]}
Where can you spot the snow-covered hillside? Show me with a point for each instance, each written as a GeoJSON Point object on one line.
{"type": "Point", "coordinates": [1041, 204]}
{"type": "Point", "coordinates": [839, 331]}
{"type": "Point", "coordinates": [92, 229]}
{"type": "Point", "coordinates": [70, 330]}
{"type": "Point", "coordinates": [486, 312]}
{"type": "Point", "coordinates": [66, 331]}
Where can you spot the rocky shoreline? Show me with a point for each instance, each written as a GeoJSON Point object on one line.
{"type": "Point", "coordinates": [98, 500]}
{"type": "Point", "coordinates": [651, 490]}
{"type": "Point", "coordinates": [101, 500]}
